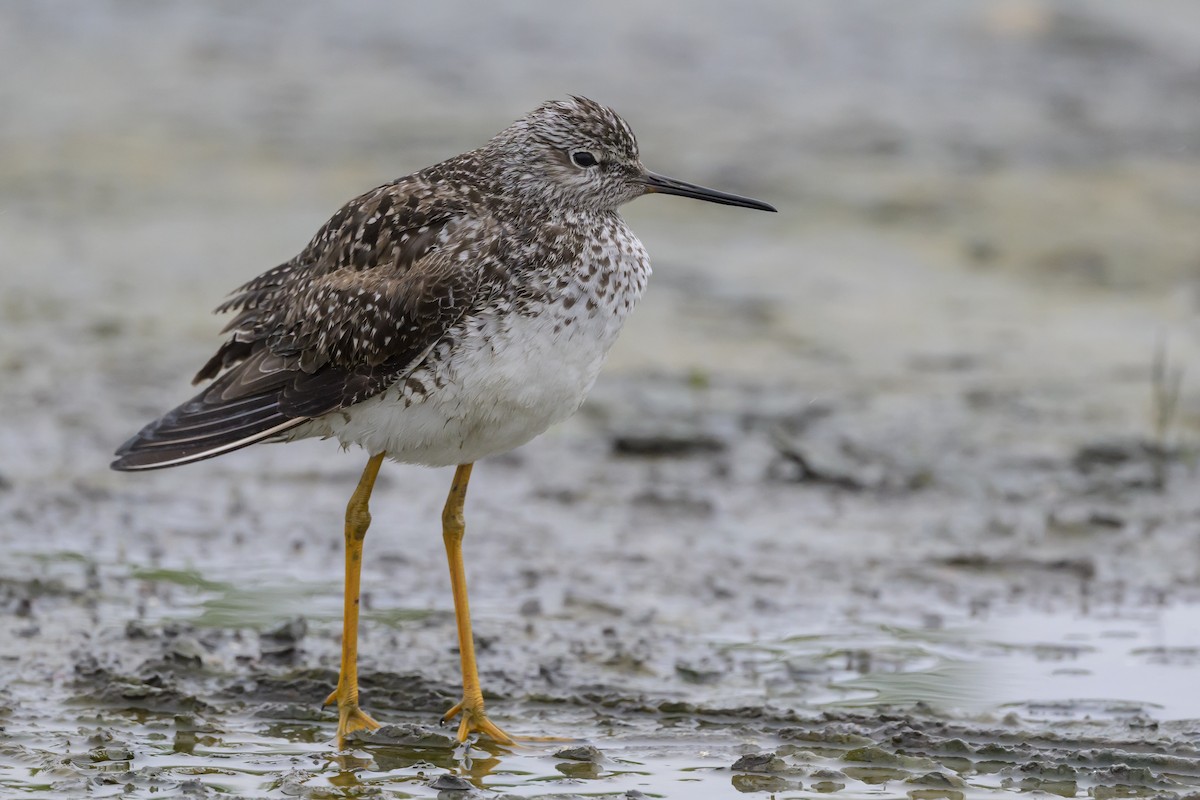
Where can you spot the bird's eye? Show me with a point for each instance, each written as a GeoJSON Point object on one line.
{"type": "Point", "coordinates": [583, 158]}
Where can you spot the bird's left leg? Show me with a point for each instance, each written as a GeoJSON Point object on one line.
{"type": "Point", "coordinates": [474, 720]}
{"type": "Point", "coordinates": [358, 519]}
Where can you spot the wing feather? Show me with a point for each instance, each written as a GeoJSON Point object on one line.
{"type": "Point", "coordinates": [361, 306]}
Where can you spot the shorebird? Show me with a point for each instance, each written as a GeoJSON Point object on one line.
{"type": "Point", "coordinates": [446, 316]}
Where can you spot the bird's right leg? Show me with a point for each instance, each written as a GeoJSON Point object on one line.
{"type": "Point", "coordinates": [470, 708]}
{"type": "Point", "coordinates": [358, 519]}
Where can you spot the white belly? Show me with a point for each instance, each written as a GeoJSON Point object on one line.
{"type": "Point", "coordinates": [490, 401]}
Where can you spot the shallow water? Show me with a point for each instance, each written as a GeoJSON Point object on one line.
{"type": "Point", "coordinates": [873, 500]}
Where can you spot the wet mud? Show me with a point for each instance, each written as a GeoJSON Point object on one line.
{"type": "Point", "coordinates": [891, 494]}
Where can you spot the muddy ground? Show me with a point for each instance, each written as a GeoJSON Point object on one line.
{"type": "Point", "coordinates": [891, 494]}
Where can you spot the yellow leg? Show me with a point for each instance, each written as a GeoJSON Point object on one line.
{"type": "Point", "coordinates": [471, 706]}
{"type": "Point", "coordinates": [358, 519]}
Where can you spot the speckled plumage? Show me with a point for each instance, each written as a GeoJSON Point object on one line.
{"type": "Point", "coordinates": [445, 316]}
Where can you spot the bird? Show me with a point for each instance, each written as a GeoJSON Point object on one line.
{"type": "Point", "coordinates": [443, 317]}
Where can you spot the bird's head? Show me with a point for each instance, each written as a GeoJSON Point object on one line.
{"type": "Point", "coordinates": [581, 154]}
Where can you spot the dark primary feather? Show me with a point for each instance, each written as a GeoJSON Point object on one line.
{"type": "Point", "coordinates": [358, 308]}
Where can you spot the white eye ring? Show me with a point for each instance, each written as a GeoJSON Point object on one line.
{"type": "Point", "coordinates": [584, 159]}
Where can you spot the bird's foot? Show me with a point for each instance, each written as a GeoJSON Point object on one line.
{"type": "Point", "coordinates": [474, 720]}
{"type": "Point", "coordinates": [350, 717]}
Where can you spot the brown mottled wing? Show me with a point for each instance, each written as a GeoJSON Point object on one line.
{"type": "Point", "coordinates": [360, 307]}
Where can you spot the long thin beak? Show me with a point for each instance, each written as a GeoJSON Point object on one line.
{"type": "Point", "coordinates": [665, 185]}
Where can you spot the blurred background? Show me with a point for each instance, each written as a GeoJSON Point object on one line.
{"type": "Point", "coordinates": [923, 440]}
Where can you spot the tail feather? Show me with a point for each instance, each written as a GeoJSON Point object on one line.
{"type": "Point", "coordinates": [203, 423]}
{"type": "Point", "coordinates": [258, 398]}
{"type": "Point", "coordinates": [201, 428]}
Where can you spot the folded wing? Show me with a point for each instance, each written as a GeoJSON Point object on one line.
{"type": "Point", "coordinates": [378, 286]}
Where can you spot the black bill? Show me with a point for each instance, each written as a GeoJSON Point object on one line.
{"type": "Point", "coordinates": [664, 185]}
